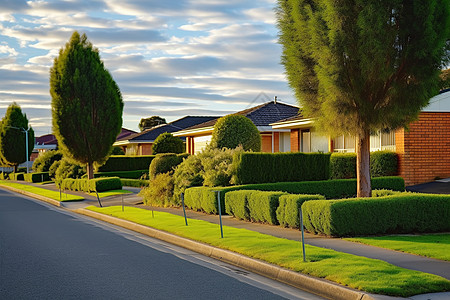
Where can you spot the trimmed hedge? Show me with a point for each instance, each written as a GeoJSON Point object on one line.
{"type": "Point", "coordinates": [236, 204]}
{"type": "Point", "coordinates": [16, 176]}
{"type": "Point", "coordinates": [382, 163]}
{"type": "Point", "coordinates": [122, 174]}
{"type": "Point", "coordinates": [280, 167]}
{"type": "Point", "coordinates": [205, 199]}
{"type": "Point", "coordinates": [401, 213]}
{"type": "Point", "coordinates": [37, 177]}
{"type": "Point", "coordinates": [288, 209]}
{"type": "Point", "coordinates": [85, 185]}
{"type": "Point", "coordinates": [165, 162]}
{"type": "Point", "coordinates": [263, 206]}
{"type": "Point", "coordinates": [126, 163]}
{"type": "Point", "coordinates": [134, 182]}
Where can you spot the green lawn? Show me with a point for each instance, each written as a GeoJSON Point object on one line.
{"type": "Point", "coordinates": [430, 245]}
{"type": "Point", "coordinates": [111, 193]}
{"type": "Point", "coordinates": [43, 192]}
{"type": "Point", "coordinates": [370, 275]}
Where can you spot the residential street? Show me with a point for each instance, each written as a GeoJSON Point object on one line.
{"type": "Point", "coordinates": [51, 253]}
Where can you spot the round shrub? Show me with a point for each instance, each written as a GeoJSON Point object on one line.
{"type": "Point", "coordinates": [234, 130]}
{"type": "Point", "coordinates": [116, 150]}
{"type": "Point", "coordinates": [167, 143]}
{"type": "Point", "coordinates": [159, 192]}
{"type": "Point", "coordinates": [45, 160]}
{"type": "Point", "coordinates": [67, 169]}
{"type": "Point", "coordinates": [164, 163]}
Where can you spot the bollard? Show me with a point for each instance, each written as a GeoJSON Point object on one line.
{"type": "Point", "coordinates": [184, 210]}
{"type": "Point", "coordinates": [220, 214]}
{"type": "Point", "coordinates": [303, 236]}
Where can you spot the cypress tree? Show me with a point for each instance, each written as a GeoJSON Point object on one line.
{"type": "Point", "coordinates": [86, 103]}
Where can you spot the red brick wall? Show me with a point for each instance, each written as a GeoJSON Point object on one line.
{"type": "Point", "coordinates": [145, 149]}
{"type": "Point", "coordinates": [424, 149]}
{"type": "Point", "coordinates": [295, 140]}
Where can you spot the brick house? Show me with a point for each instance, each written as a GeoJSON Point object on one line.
{"type": "Point", "coordinates": [273, 140]}
{"type": "Point", "coordinates": [423, 149]}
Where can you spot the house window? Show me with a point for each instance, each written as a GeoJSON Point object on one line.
{"type": "Point", "coordinates": [380, 141]}
{"type": "Point", "coordinates": [344, 143]}
{"type": "Point", "coordinates": [306, 141]}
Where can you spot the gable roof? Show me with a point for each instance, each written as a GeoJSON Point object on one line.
{"type": "Point", "coordinates": [149, 135]}
{"type": "Point", "coordinates": [262, 115]}
{"type": "Point", "coordinates": [47, 139]}
{"type": "Point", "coordinates": [124, 133]}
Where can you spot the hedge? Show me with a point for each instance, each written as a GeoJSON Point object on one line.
{"type": "Point", "coordinates": [126, 163]}
{"type": "Point", "coordinates": [401, 213]}
{"type": "Point", "coordinates": [16, 176]}
{"type": "Point", "coordinates": [236, 204]}
{"type": "Point", "coordinates": [288, 209]}
{"type": "Point", "coordinates": [263, 206]}
{"type": "Point", "coordinates": [37, 177]}
{"type": "Point", "coordinates": [122, 174]}
{"type": "Point", "coordinates": [382, 163]}
{"type": "Point", "coordinates": [165, 162]}
{"type": "Point", "coordinates": [205, 198]}
{"type": "Point", "coordinates": [280, 167]}
{"type": "Point", "coordinates": [134, 182]}
{"type": "Point", "coordinates": [85, 185]}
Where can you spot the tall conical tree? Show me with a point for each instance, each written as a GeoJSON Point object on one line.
{"type": "Point", "coordinates": [13, 135]}
{"type": "Point", "coordinates": [86, 103]}
{"type": "Point", "coordinates": [360, 66]}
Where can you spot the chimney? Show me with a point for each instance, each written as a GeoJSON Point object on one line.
{"type": "Point", "coordinates": [275, 100]}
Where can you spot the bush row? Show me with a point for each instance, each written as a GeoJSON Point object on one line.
{"type": "Point", "coordinates": [16, 176]}
{"type": "Point", "coordinates": [280, 167]}
{"type": "Point", "coordinates": [267, 207]}
{"type": "Point", "coordinates": [126, 163]}
{"type": "Point", "coordinates": [85, 185]}
{"type": "Point", "coordinates": [37, 177]}
{"type": "Point", "coordinates": [205, 198]}
{"type": "Point", "coordinates": [122, 174]}
{"type": "Point", "coordinates": [382, 163]}
{"type": "Point", "coordinates": [401, 213]}
{"type": "Point", "coordinates": [165, 162]}
{"type": "Point", "coordinates": [134, 182]}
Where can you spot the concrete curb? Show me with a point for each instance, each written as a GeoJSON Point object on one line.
{"type": "Point", "coordinates": [32, 195]}
{"type": "Point", "coordinates": [317, 286]}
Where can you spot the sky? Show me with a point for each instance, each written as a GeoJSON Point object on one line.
{"type": "Point", "coordinates": [170, 58]}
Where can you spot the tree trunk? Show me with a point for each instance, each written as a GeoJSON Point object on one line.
{"type": "Point", "coordinates": [364, 188]}
{"type": "Point", "coordinates": [90, 170]}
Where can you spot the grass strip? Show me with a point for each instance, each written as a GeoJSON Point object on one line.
{"type": "Point", "coordinates": [430, 245]}
{"type": "Point", "coordinates": [111, 193]}
{"type": "Point", "coordinates": [370, 275]}
{"type": "Point", "coordinates": [42, 192]}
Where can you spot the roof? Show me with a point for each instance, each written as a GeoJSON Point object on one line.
{"type": "Point", "coordinates": [151, 134]}
{"type": "Point", "coordinates": [261, 115]}
{"type": "Point", "coordinates": [124, 133]}
{"type": "Point", "coordinates": [47, 139]}
{"type": "Point", "coordinates": [439, 103]}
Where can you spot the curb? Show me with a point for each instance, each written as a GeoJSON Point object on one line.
{"type": "Point", "coordinates": [317, 286]}
{"type": "Point", "coordinates": [32, 195]}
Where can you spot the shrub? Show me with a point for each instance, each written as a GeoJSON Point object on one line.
{"type": "Point", "coordinates": [4, 176]}
{"type": "Point", "coordinates": [53, 168]}
{"type": "Point", "coordinates": [37, 177]}
{"type": "Point", "coordinates": [165, 163]}
{"type": "Point", "coordinates": [134, 182]}
{"type": "Point", "coordinates": [16, 176]}
{"type": "Point", "coordinates": [401, 213]}
{"type": "Point", "coordinates": [205, 198]}
{"type": "Point", "coordinates": [236, 130]}
{"type": "Point", "coordinates": [188, 174]}
{"type": "Point", "coordinates": [382, 163]}
{"type": "Point", "coordinates": [280, 167]}
{"type": "Point", "coordinates": [160, 191]}
{"type": "Point", "coordinates": [116, 150]}
{"type": "Point", "coordinates": [122, 174]}
{"type": "Point", "coordinates": [167, 143]}
{"type": "Point", "coordinates": [85, 185]}
{"type": "Point", "coordinates": [236, 204]}
{"type": "Point", "coordinates": [45, 160]}
{"type": "Point", "coordinates": [262, 206]}
{"type": "Point", "coordinates": [68, 169]}
{"type": "Point", "coordinates": [126, 163]}
{"type": "Point", "coordinates": [288, 209]}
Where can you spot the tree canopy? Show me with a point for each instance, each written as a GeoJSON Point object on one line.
{"type": "Point", "coordinates": [147, 123]}
{"type": "Point", "coordinates": [13, 142]}
{"type": "Point", "coordinates": [86, 103]}
{"type": "Point", "coordinates": [360, 66]}
{"type": "Point", "coordinates": [167, 143]}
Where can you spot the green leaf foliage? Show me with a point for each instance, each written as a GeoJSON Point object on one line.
{"type": "Point", "coordinates": [126, 163]}
{"type": "Point", "coordinates": [399, 213]}
{"type": "Point", "coordinates": [86, 102]}
{"type": "Point", "coordinates": [91, 185]}
{"type": "Point", "coordinates": [147, 123]}
{"type": "Point", "coordinates": [165, 163]}
{"type": "Point", "coordinates": [45, 160]}
{"type": "Point", "coordinates": [167, 143]}
{"type": "Point", "coordinates": [160, 191]}
{"type": "Point", "coordinates": [37, 177]}
{"type": "Point", "coordinates": [235, 130]}
{"type": "Point", "coordinates": [288, 209]}
{"type": "Point", "coordinates": [122, 174]}
{"type": "Point", "coordinates": [12, 137]}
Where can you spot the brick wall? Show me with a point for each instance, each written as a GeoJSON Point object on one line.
{"type": "Point", "coordinates": [295, 140]}
{"type": "Point", "coordinates": [424, 149]}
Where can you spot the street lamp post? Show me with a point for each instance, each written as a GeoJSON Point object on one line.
{"type": "Point", "coordinates": [26, 140]}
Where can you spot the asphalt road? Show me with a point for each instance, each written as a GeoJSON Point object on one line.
{"type": "Point", "coordinates": [51, 253]}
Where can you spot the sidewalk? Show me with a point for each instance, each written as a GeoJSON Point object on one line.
{"type": "Point", "coordinates": [404, 260]}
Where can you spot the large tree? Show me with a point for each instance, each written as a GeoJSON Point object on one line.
{"type": "Point", "coordinates": [147, 123]}
{"type": "Point", "coordinates": [86, 103]}
{"type": "Point", "coordinates": [360, 66]}
{"type": "Point", "coordinates": [14, 129]}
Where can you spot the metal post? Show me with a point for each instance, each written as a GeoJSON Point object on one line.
{"type": "Point", "coordinates": [220, 213]}
{"type": "Point", "coordinates": [26, 146]}
{"type": "Point", "coordinates": [60, 194]}
{"type": "Point", "coordinates": [303, 236]}
{"type": "Point", "coordinates": [184, 210]}
{"type": "Point", "coordinates": [98, 198]}
{"type": "Point", "coordinates": [122, 202]}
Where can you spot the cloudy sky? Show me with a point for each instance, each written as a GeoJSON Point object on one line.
{"type": "Point", "coordinates": [169, 57]}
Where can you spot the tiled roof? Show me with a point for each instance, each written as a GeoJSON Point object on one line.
{"type": "Point", "coordinates": [180, 124]}
{"type": "Point", "coordinates": [261, 115]}
{"type": "Point", "coordinates": [124, 133]}
{"type": "Point", "coordinates": [48, 139]}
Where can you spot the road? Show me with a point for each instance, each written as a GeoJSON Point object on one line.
{"type": "Point", "coordinates": [52, 253]}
